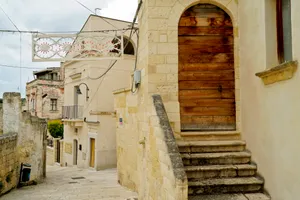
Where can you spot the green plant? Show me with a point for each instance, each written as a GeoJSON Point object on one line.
{"type": "Point", "coordinates": [56, 128]}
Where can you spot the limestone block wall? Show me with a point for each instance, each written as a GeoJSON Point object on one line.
{"type": "Point", "coordinates": [166, 177]}
{"type": "Point", "coordinates": [9, 165]}
{"type": "Point", "coordinates": [162, 173]}
{"type": "Point", "coordinates": [127, 139]}
{"type": "Point", "coordinates": [158, 63]}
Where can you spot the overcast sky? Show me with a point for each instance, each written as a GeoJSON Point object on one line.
{"type": "Point", "coordinates": [43, 16]}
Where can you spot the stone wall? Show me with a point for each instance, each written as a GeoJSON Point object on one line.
{"type": "Point", "coordinates": [158, 63]}
{"type": "Point", "coordinates": [162, 173]}
{"type": "Point", "coordinates": [23, 141]}
{"type": "Point", "coordinates": [1, 119]}
{"type": "Point", "coordinates": [11, 112]}
{"type": "Point", "coordinates": [9, 165]}
{"type": "Point", "coordinates": [127, 139]}
{"type": "Point", "coordinates": [32, 144]}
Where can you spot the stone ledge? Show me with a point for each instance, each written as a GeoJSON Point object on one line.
{"type": "Point", "coordinates": [173, 150]}
{"type": "Point", "coordinates": [282, 72]}
{"type": "Point", "coordinates": [121, 90]}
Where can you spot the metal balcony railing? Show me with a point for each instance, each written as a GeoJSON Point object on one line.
{"type": "Point", "coordinates": [72, 112]}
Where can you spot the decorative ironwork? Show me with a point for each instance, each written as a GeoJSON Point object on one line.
{"type": "Point", "coordinates": [82, 46]}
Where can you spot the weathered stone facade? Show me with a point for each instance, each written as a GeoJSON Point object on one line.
{"type": "Point", "coordinates": [44, 95]}
{"type": "Point", "coordinates": [23, 141]}
{"type": "Point", "coordinates": [9, 164]}
{"type": "Point", "coordinates": [1, 119]}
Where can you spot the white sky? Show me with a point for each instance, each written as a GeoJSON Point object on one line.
{"type": "Point", "coordinates": [43, 16]}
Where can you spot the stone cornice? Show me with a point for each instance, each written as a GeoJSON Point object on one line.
{"type": "Point", "coordinates": [282, 72]}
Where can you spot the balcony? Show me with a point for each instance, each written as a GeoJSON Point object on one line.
{"type": "Point", "coordinates": [72, 115]}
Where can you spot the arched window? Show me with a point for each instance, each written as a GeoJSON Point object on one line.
{"type": "Point", "coordinates": [128, 46]}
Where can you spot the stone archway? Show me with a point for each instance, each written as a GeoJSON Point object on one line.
{"type": "Point", "coordinates": [206, 75]}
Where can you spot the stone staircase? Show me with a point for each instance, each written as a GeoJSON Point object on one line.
{"type": "Point", "coordinates": [219, 167]}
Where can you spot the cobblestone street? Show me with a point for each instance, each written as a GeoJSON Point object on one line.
{"type": "Point", "coordinates": [74, 184]}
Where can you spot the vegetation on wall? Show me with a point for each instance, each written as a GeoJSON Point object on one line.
{"type": "Point", "coordinates": [56, 128]}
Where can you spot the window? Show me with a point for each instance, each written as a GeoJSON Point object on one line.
{"type": "Point", "coordinates": [284, 30]}
{"type": "Point", "coordinates": [128, 46]}
{"type": "Point", "coordinates": [33, 104]}
{"type": "Point", "coordinates": [53, 104]}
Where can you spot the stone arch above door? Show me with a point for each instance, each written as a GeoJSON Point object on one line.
{"type": "Point", "coordinates": [162, 27]}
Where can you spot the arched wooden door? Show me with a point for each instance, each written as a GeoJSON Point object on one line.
{"type": "Point", "coordinates": [206, 69]}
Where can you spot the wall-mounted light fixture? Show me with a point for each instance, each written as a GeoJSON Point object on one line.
{"type": "Point", "coordinates": [87, 90]}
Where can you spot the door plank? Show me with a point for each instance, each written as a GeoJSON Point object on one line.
{"type": "Point", "coordinates": [195, 49]}
{"type": "Point", "coordinates": [206, 58]}
{"type": "Point", "coordinates": [206, 40]}
{"type": "Point", "coordinates": [196, 85]}
{"type": "Point", "coordinates": [207, 111]}
{"type": "Point", "coordinates": [208, 76]}
{"type": "Point", "coordinates": [206, 94]}
{"type": "Point", "coordinates": [208, 102]}
{"type": "Point", "coordinates": [187, 119]}
{"type": "Point", "coordinates": [204, 30]}
{"type": "Point", "coordinates": [205, 66]}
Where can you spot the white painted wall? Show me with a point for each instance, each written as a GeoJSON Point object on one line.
{"type": "Point", "coordinates": [100, 100]}
{"type": "Point", "coordinates": [270, 114]}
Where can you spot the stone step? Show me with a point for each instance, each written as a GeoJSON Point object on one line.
{"type": "Point", "coordinates": [250, 196]}
{"type": "Point", "coordinates": [211, 136]}
{"type": "Point", "coordinates": [227, 158]}
{"type": "Point", "coordinates": [225, 185]}
{"type": "Point", "coordinates": [211, 146]}
{"type": "Point", "coordinates": [220, 171]}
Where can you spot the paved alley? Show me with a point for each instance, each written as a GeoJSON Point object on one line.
{"type": "Point", "coordinates": [66, 183]}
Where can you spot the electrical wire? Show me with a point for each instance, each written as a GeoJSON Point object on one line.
{"type": "Point", "coordinates": [85, 6]}
{"type": "Point", "coordinates": [74, 32]}
{"type": "Point", "coordinates": [135, 64]}
{"type": "Point", "coordinates": [95, 13]}
{"type": "Point", "coordinates": [9, 19]}
{"type": "Point", "coordinates": [20, 62]}
{"type": "Point", "coordinates": [14, 66]}
{"type": "Point", "coordinates": [127, 43]}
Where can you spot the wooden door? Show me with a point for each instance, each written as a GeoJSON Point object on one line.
{"type": "Point", "coordinates": [206, 69]}
{"type": "Point", "coordinates": [75, 152]}
{"type": "Point", "coordinates": [92, 152]}
{"type": "Point", "coordinates": [57, 151]}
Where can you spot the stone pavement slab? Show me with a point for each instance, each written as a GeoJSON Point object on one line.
{"type": "Point", "coordinates": [72, 183]}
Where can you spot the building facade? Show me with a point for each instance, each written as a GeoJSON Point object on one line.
{"type": "Point", "coordinates": [45, 94]}
{"type": "Point", "coordinates": [88, 114]}
{"type": "Point", "coordinates": [226, 72]}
